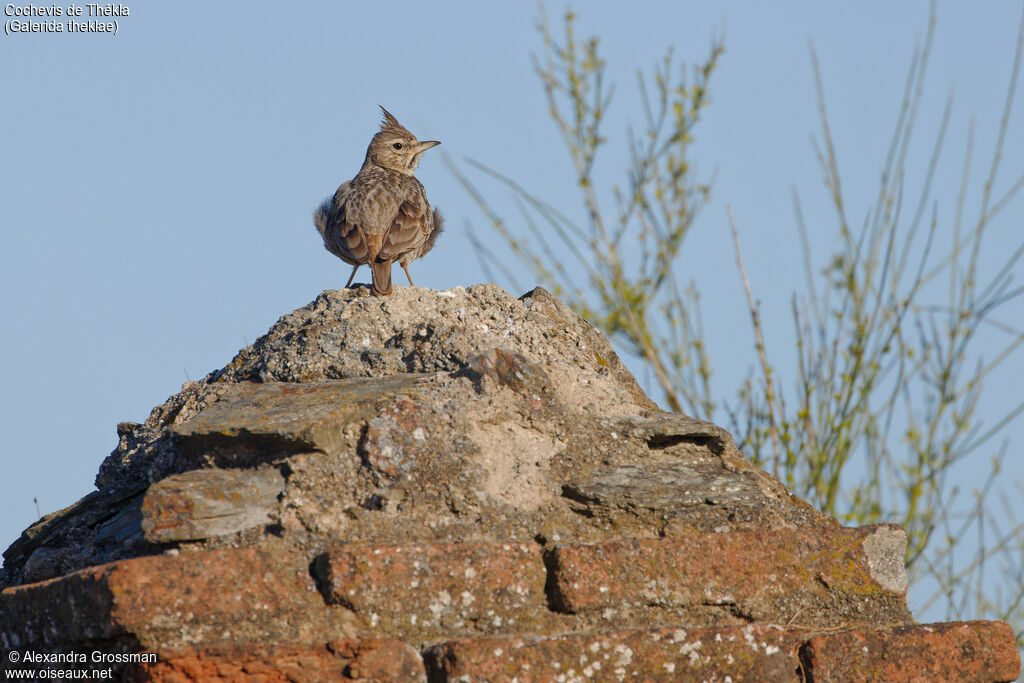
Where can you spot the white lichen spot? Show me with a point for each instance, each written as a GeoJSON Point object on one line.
{"type": "Point", "coordinates": [366, 342]}
{"type": "Point", "coordinates": [748, 637]}
{"type": "Point", "coordinates": [374, 619]}
{"type": "Point", "coordinates": [498, 652]}
{"type": "Point", "coordinates": [625, 655]}
{"type": "Point", "coordinates": [439, 605]}
{"type": "Point", "coordinates": [690, 650]}
{"type": "Point", "coordinates": [412, 619]}
{"type": "Point", "coordinates": [669, 667]}
{"type": "Point", "coordinates": [770, 649]}
{"type": "Point", "coordinates": [470, 573]}
{"type": "Point", "coordinates": [418, 434]}
{"type": "Point", "coordinates": [595, 646]}
{"type": "Point", "coordinates": [679, 635]}
{"type": "Point", "coordinates": [603, 589]}
{"type": "Point", "coordinates": [467, 598]}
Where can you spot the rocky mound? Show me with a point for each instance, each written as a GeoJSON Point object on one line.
{"type": "Point", "coordinates": [463, 485]}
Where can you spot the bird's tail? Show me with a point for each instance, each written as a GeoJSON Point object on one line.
{"type": "Point", "coordinates": [438, 229]}
{"type": "Point", "coordinates": [381, 271]}
{"type": "Point", "coordinates": [320, 217]}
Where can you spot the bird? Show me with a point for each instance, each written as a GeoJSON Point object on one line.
{"type": "Point", "coordinates": [382, 215]}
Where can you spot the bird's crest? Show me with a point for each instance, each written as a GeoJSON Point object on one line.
{"type": "Point", "coordinates": [391, 125]}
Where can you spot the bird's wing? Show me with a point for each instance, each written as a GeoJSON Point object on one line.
{"type": "Point", "coordinates": [347, 238]}
{"type": "Point", "coordinates": [409, 228]}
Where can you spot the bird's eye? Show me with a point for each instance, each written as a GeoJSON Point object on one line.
{"type": "Point", "coordinates": [397, 145]}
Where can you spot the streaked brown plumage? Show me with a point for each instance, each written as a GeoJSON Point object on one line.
{"type": "Point", "coordinates": [382, 215]}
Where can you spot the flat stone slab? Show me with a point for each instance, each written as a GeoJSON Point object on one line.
{"type": "Point", "coordinates": [373, 659]}
{"type": "Point", "coordinates": [665, 487]}
{"type": "Point", "coordinates": [280, 418]}
{"type": "Point", "coordinates": [806, 577]}
{"type": "Point", "coordinates": [965, 651]}
{"type": "Point", "coordinates": [424, 591]}
{"type": "Point", "coordinates": [747, 653]}
{"type": "Point", "coordinates": [666, 427]}
{"type": "Point", "coordinates": [961, 651]}
{"type": "Point", "coordinates": [217, 597]}
{"type": "Point", "coordinates": [209, 502]}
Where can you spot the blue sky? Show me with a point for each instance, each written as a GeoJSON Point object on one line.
{"type": "Point", "coordinates": [157, 184]}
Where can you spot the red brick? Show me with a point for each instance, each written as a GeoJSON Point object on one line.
{"type": "Point", "coordinates": [755, 653]}
{"type": "Point", "coordinates": [785, 576]}
{"type": "Point", "coordinates": [445, 588]}
{"type": "Point", "coordinates": [378, 660]}
{"type": "Point", "coordinates": [164, 600]}
{"type": "Point", "coordinates": [957, 651]}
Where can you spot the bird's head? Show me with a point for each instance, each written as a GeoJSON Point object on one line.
{"type": "Point", "coordinates": [395, 148]}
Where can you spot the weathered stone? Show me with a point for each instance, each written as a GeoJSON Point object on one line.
{"type": "Point", "coordinates": [666, 428]}
{"type": "Point", "coordinates": [807, 578]}
{"type": "Point", "coordinates": [254, 421]}
{"type": "Point", "coordinates": [885, 548]}
{"type": "Point", "coordinates": [347, 334]}
{"type": "Point", "coordinates": [511, 369]}
{"type": "Point", "coordinates": [66, 540]}
{"type": "Point", "coordinates": [958, 651]}
{"type": "Point", "coordinates": [460, 468]}
{"type": "Point", "coordinates": [664, 487]}
{"type": "Point", "coordinates": [425, 591]}
{"type": "Point", "coordinates": [44, 563]}
{"type": "Point", "coordinates": [210, 502]}
{"type": "Point", "coordinates": [124, 528]}
{"type": "Point", "coordinates": [211, 597]}
{"type": "Point", "coordinates": [755, 653]}
{"type": "Point", "coordinates": [340, 660]}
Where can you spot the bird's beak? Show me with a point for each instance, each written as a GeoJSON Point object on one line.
{"type": "Point", "coordinates": [424, 146]}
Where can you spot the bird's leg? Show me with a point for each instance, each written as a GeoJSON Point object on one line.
{"type": "Point", "coordinates": [352, 276]}
{"type": "Point", "coordinates": [407, 275]}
